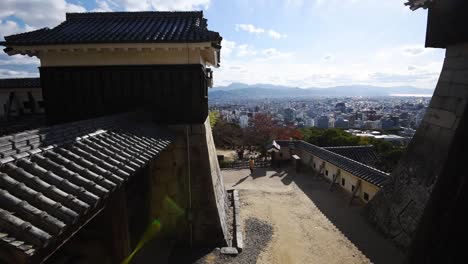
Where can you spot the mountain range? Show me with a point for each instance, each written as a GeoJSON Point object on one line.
{"type": "Point", "coordinates": [258, 91]}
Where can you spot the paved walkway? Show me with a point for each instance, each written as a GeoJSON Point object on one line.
{"type": "Point", "coordinates": [310, 223]}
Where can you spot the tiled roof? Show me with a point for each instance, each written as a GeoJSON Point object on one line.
{"type": "Point", "coordinates": [122, 27]}
{"type": "Point", "coordinates": [20, 83]}
{"type": "Point", "coordinates": [416, 4]}
{"type": "Point", "coordinates": [362, 154]}
{"type": "Point", "coordinates": [54, 180]}
{"type": "Point", "coordinates": [358, 169]}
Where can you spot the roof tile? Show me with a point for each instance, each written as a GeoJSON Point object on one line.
{"type": "Point", "coordinates": [55, 188]}
{"type": "Point", "coordinates": [122, 27]}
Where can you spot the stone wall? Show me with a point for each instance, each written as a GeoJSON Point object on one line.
{"type": "Point", "coordinates": [171, 193]}
{"type": "Point", "coordinates": [397, 208]}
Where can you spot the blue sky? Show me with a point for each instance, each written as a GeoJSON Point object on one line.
{"type": "Point", "coordinates": [304, 43]}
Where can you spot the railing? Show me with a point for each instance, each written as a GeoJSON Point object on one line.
{"type": "Point", "coordinates": [245, 164]}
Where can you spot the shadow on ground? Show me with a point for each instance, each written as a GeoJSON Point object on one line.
{"type": "Point", "coordinates": [258, 234]}
{"type": "Point", "coordinates": [349, 219]}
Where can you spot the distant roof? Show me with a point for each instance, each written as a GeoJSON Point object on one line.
{"type": "Point", "coordinates": [362, 154]}
{"type": "Point", "coordinates": [122, 27]}
{"type": "Point", "coordinates": [54, 180]}
{"type": "Point", "coordinates": [358, 169]}
{"type": "Point", "coordinates": [416, 4]}
{"type": "Point", "coordinates": [20, 83]}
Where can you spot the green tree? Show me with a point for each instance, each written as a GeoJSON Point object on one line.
{"type": "Point", "coordinates": [214, 118]}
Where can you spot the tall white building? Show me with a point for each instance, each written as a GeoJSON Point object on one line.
{"type": "Point", "coordinates": [244, 121]}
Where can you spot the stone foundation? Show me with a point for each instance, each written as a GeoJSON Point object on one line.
{"type": "Point", "coordinates": [398, 207]}
{"type": "Point", "coordinates": [205, 224]}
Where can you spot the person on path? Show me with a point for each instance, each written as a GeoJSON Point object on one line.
{"type": "Point", "coordinates": [251, 165]}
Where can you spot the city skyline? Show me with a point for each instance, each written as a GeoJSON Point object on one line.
{"type": "Point", "coordinates": [289, 42]}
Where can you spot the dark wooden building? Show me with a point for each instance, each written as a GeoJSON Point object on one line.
{"type": "Point", "coordinates": [96, 64]}
{"type": "Point", "coordinates": [422, 207]}
{"type": "Point", "coordinates": [86, 188]}
{"type": "Point", "coordinates": [446, 21]}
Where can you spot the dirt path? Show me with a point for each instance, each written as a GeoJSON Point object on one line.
{"type": "Point", "coordinates": [301, 232]}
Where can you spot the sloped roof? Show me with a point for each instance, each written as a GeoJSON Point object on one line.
{"type": "Point", "coordinates": [358, 169]}
{"type": "Point", "coordinates": [20, 83]}
{"type": "Point", "coordinates": [416, 4]}
{"type": "Point", "coordinates": [122, 27]}
{"type": "Point", "coordinates": [56, 179]}
{"type": "Point", "coordinates": [362, 154]}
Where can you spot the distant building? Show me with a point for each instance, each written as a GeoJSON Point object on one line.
{"type": "Point", "coordinates": [244, 121]}
{"type": "Point", "coordinates": [340, 107]}
{"type": "Point", "coordinates": [342, 123]}
{"type": "Point", "coordinates": [387, 123]}
{"type": "Point", "coordinates": [338, 165]}
{"type": "Point", "coordinates": [20, 97]}
{"type": "Point", "coordinates": [289, 114]}
{"type": "Point", "coordinates": [322, 122]}
{"type": "Point", "coordinates": [309, 122]}
{"type": "Point", "coordinates": [372, 124]}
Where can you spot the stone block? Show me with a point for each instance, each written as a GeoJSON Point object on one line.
{"type": "Point", "coordinates": [229, 251]}
{"type": "Point", "coordinates": [454, 51]}
{"type": "Point", "coordinates": [446, 75]}
{"type": "Point", "coordinates": [459, 91]}
{"type": "Point", "coordinates": [460, 77]}
{"type": "Point", "coordinates": [460, 107]}
{"type": "Point", "coordinates": [403, 240]}
{"type": "Point", "coordinates": [443, 89]}
{"type": "Point", "coordinates": [456, 63]}
{"type": "Point", "coordinates": [198, 129]}
{"type": "Point", "coordinates": [440, 117]}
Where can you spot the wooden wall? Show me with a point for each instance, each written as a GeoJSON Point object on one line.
{"type": "Point", "coordinates": [175, 94]}
{"type": "Point", "coordinates": [447, 23]}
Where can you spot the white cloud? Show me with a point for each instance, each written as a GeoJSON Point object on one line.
{"type": "Point", "coordinates": [249, 28]}
{"type": "Point", "coordinates": [9, 27]}
{"type": "Point", "coordinates": [4, 73]}
{"type": "Point", "coordinates": [233, 50]}
{"type": "Point", "coordinates": [228, 47]}
{"type": "Point", "coordinates": [276, 35]}
{"type": "Point", "coordinates": [148, 5]}
{"type": "Point", "coordinates": [180, 4]}
{"type": "Point", "coordinates": [328, 57]}
{"type": "Point", "coordinates": [37, 14]}
{"type": "Point", "coordinates": [414, 50]}
{"type": "Point", "coordinates": [258, 31]}
{"type": "Point", "coordinates": [294, 3]}
{"type": "Point", "coordinates": [17, 60]}
{"type": "Point", "coordinates": [286, 71]}
{"type": "Point", "coordinates": [245, 50]}
{"type": "Point", "coordinates": [104, 6]}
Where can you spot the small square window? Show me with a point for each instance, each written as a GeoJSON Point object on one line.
{"type": "Point", "coordinates": [352, 188]}
{"type": "Point", "coordinates": [315, 165]}
{"type": "Point", "coordinates": [343, 182]}
{"type": "Point", "coordinates": [366, 196]}
{"type": "Point", "coordinates": [326, 172]}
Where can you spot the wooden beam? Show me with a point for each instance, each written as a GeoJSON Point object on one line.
{"type": "Point", "coordinates": [338, 173]}
{"type": "Point", "coordinates": [118, 217]}
{"type": "Point", "coordinates": [358, 186]}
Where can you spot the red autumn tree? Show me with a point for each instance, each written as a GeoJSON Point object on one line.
{"type": "Point", "coordinates": [264, 129]}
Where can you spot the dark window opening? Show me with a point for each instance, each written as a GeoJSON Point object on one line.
{"type": "Point", "coordinates": [352, 188]}
{"type": "Point", "coordinates": [326, 172]}
{"type": "Point", "coordinates": [343, 182]}
{"type": "Point", "coordinates": [314, 165]}
{"type": "Point", "coordinates": [366, 196]}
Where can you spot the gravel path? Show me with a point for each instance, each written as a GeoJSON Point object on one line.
{"type": "Point", "coordinates": [258, 234]}
{"type": "Point", "coordinates": [310, 223]}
